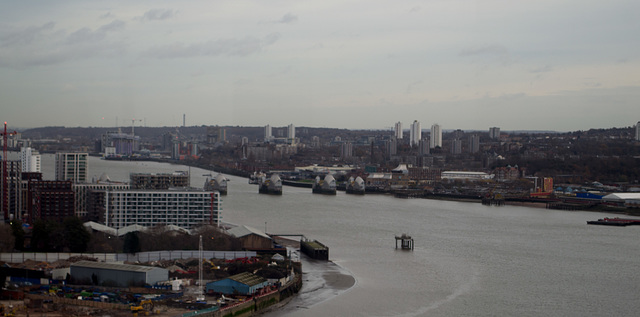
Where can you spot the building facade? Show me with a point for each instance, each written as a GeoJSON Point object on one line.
{"type": "Point", "coordinates": [398, 130]}
{"type": "Point", "coordinates": [415, 134]}
{"type": "Point", "coordinates": [474, 143]}
{"type": "Point", "coordinates": [31, 160]}
{"type": "Point", "coordinates": [494, 133]}
{"type": "Point", "coordinates": [159, 180]}
{"type": "Point", "coordinates": [435, 139]}
{"type": "Point", "coordinates": [185, 208]}
{"type": "Point", "coordinates": [50, 200]}
{"type": "Point", "coordinates": [72, 166]}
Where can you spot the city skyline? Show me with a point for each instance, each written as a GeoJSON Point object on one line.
{"type": "Point", "coordinates": [462, 64]}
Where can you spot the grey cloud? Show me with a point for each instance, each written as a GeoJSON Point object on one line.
{"type": "Point", "coordinates": [288, 18]}
{"type": "Point", "coordinates": [485, 50]}
{"type": "Point", "coordinates": [222, 47]}
{"type": "Point", "coordinates": [543, 69]}
{"type": "Point", "coordinates": [9, 37]}
{"type": "Point", "coordinates": [44, 45]}
{"type": "Point", "coordinates": [87, 35]}
{"type": "Point", "coordinates": [158, 15]}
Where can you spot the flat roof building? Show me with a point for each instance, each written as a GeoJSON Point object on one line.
{"type": "Point", "coordinates": [185, 208]}
{"type": "Point", "coordinates": [114, 274]}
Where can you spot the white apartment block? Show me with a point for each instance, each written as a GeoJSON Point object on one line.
{"type": "Point", "coordinates": [72, 166]}
{"type": "Point", "coordinates": [31, 160]}
{"type": "Point", "coordinates": [186, 208]}
{"type": "Point", "coordinates": [436, 136]}
{"type": "Point", "coordinates": [82, 194]}
{"type": "Point", "coordinates": [415, 133]}
{"type": "Point", "coordinates": [398, 130]}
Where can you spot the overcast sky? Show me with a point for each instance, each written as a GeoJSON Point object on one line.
{"type": "Point", "coordinates": [559, 65]}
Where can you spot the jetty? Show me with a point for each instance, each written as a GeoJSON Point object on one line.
{"type": "Point", "coordinates": [406, 242]}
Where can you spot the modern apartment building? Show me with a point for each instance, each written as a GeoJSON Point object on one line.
{"type": "Point", "coordinates": [50, 200]}
{"type": "Point", "coordinates": [84, 193]}
{"type": "Point", "coordinates": [159, 180]}
{"type": "Point", "coordinates": [31, 160]}
{"type": "Point", "coordinates": [72, 166]}
{"type": "Point", "coordinates": [186, 208]}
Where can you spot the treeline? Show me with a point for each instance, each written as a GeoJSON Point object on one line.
{"type": "Point", "coordinates": [70, 235]}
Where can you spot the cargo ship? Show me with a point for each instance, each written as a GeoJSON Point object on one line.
{"type": "Point", "coordinates": [325, 186]}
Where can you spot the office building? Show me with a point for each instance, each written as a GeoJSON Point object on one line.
{"type": "Point", "coordinates": [72, 166]}
{"type": "Point", "coordinates": [494, 133]}
{"type": "Point", "coordinates": [415, 134]}
{"type": "Point", "coordinates": [392, 147]}
{"type": "Point", "coordinates": [398, 130]}
{"type": "Point", "coordinates": [186, 208]}
{"type": "Point", "coordinates": [436, 136]}
{"type": "Point", "coordinates": [31, 160]}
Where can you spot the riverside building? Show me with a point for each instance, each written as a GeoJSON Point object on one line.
{"type": "Point", "coordinates": [186, 208]}
{"type": "Point", "coordinates": [72, 166]}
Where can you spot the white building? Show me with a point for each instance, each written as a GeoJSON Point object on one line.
{"type": "Point", "coordinates": [415, 134]}
{"type": "Point", "coordinates": [398, 130]}
{"type": "Point", "coordinates": [267, 133]}
{"type": "Point", "coordinates": [436, 136]}
{"type": "Point", "coordinates": [31, 160]}
{"type": "Point", "coordinates": [494, 133]}
{"type": "Point", "coordinates": [186, 208]}
{"type": "Point", "coordinates": [638, 131]}
{"type": "Point", "coordinates": [474, 143]}
{"type": "Point", "coordinates": [73, 166]}
{"type": "Point", "coordinates": [291, 132]}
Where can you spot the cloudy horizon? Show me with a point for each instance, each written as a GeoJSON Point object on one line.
{"type": "Point", "coordinates": [543, 65]}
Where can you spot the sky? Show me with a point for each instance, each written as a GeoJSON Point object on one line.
{"type": "Point", "coordinates": [561, 65]}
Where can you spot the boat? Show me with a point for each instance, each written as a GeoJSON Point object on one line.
{"type": "Point", "coordinates": [620, 222]}
{"type": "Point", "coordinates": [325, 186]}
{"type": "Point", "coordinates": [355, 186]}
{"type": "Point", "coordinates": [271, 186]}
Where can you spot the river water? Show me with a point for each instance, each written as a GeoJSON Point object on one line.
{"type": "Point", "coordinates": [469, 259]}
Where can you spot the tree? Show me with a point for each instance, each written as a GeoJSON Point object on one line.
{"type": "Point", "coordinates": [131, 243]}
{"type": "Point", "coordinates": [7, 241]}
{"type": "Point", "coordinates": [18, 234]}
{"type": "Point", "coordinates": [76, 235]}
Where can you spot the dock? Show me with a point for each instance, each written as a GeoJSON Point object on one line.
{"type": "Point", "coordinates": [314, 249]}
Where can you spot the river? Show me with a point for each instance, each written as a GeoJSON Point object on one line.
{"type": "Point", "coordinates": [469, 259]}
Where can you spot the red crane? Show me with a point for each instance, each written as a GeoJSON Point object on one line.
{"type": "Point", "coordinates": [5, 177]}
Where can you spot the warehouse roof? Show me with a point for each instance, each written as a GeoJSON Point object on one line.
{"type": "Point", "coordinates": [114, 266]}
{"type": "Point", "coordinates": [623, 196]}
{"type": "Point", "coordinates": [248, 278]}
{"type": "Point", "coordinates": [241, 231]}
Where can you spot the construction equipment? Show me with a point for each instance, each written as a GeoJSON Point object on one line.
{"type": "Point", "coordinates": [144, 307]}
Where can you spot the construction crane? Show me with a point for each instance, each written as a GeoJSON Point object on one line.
{"type": "Point", "coordinates": [133, 123]}
{"type": "Point", "coordinates": [5, 176]}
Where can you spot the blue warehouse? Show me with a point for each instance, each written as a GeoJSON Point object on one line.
{"type": "Point", "coordinates": [242, 284]}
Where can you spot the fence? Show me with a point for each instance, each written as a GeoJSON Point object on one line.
{"type": "Point", "coordinates": [113, 257]}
